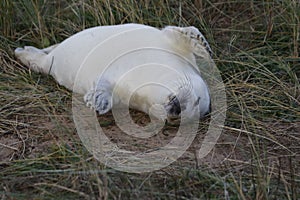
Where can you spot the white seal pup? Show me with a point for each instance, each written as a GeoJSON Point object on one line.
{"type": "Point", "coordinates": [134, 64]}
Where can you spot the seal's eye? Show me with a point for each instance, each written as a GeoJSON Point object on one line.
{"type": "Point", "coordinates": [197, 101]}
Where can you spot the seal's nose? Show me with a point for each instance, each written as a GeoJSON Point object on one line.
{"type": "Point", "coordinates": [173, 107]}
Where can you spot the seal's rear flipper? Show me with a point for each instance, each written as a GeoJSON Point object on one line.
{"type": "Point", "coordinates": [190, 38]}
{"type": "Point", "coordinates": [49, 49]}
{"type": "Point", "coordinates": [33, 58]}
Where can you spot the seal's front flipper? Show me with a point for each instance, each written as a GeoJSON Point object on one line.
{"type": "Point", "coordinates": [100, 97]}
{"type": "Point", "coordinates": [191, 38]}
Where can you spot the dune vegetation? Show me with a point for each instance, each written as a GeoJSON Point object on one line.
{"type": "Point", "coordinates": [256, 49]}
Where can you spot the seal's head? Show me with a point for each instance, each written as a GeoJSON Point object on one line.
{"type": "Point", "coordinates": [190, 101]}
{"type": "Point", "coordinates": [165, 92]}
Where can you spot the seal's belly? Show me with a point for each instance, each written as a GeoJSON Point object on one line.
{"type": "Point", "coordinates": [81, 59]}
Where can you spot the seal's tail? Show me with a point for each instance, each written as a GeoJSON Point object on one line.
{"type": "Point", "coordinates": [34, 58]}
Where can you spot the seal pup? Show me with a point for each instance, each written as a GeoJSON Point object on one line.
{"type": "Point", "coordinates": [152, 70]}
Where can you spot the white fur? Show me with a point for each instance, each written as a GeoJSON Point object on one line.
{"type": "Point", "coordinates": [123, 58]}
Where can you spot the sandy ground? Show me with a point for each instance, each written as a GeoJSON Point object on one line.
{"type": "Point", "coordinates": [34, 137]}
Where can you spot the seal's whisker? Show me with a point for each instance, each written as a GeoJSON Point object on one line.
{"type": "Point", "coordinates": [185, 87]}
{"type": "Point", "coordinates": [182, 91]}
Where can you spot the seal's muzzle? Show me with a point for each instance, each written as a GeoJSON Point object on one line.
{"type": "Point", "coordinates": [174, 108]}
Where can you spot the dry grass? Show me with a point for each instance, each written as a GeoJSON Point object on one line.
{"type": "Point", "coordinates": [256, 45]}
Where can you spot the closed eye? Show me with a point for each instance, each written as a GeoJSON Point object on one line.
{"type": "Point", "coordinates": [197, 101]}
